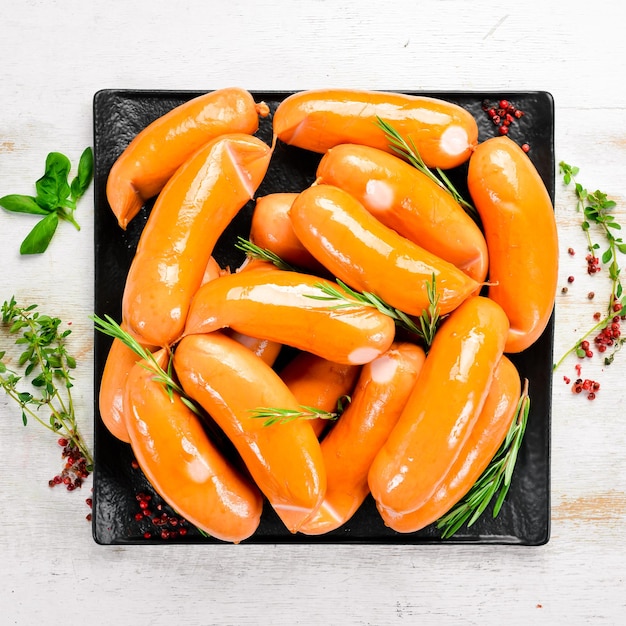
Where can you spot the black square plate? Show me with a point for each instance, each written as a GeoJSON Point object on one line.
{"type": "Point", "coordinates": [118, 116]}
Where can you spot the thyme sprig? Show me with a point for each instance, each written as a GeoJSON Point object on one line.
{"type": "Point", "coordinates": [408, 150]}
{"type": "Point", "coordinates": [256, 252]}
{"type": "Point", "coordinates": [495, 481]}
{"type": "Point", "coordinates": [345, 297]}
{"type": "Point", "coordinates": [47, 365]}
{"type": "Point", "coordinates": [597, 210]}
{"type": "Point", "coordinates": [110, 327]}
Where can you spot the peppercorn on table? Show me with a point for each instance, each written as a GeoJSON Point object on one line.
{"type": "Point", "coordinates": [572, 573]}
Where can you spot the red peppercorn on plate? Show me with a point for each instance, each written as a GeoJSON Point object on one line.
{"type": "Point", "coordinates": [126, 507]}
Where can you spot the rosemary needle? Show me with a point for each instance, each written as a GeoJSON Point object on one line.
{"type": "Point", "coordinates": [410, 152]}
{"type": "Point", "coordinates": [496, 478]}
{"type": "Point", "coordinates": [110, 327]}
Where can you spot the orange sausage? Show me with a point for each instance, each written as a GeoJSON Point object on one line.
{"type": "Point", "coordinates": [319, 383]}
{"type": "Point", "coordinates": [119, 362]}
{"type": "Point", "coordinates": [183, 465]}
{"type": "Point", "coordinates": [284, 459]}
{"type": "Point", "coordinates": [275, 304]}
{"type": "Point", "coordinates": [272, 230]}
{"type": "Point", "coordinates": [356, 248]}
{"type": "Point", "coordinates": [349, 448]}
{"type": "Point", "coordinates": [153, 156]}
{"type": "Point", "coordinates": [443, 408]}
{"type": "Point", "coordinates": [444, 133]}
{"type": "Point", "coordinates": [484, 441]}
{"type": "Point", "coordinates": [405, 199]}
{"type": "Point", "coordinates": [520, 229]}
{"type": "Point", "coordinates": [190, 214]}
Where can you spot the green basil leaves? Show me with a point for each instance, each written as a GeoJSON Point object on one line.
{"type": "Point", "coordinates": [56, 199]}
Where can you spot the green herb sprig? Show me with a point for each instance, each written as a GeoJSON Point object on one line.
{"type": "Point", "coordinates": [597, 210]}
{"type": "Point", "coordinates": [110, 327]}
{"type": "Point", "coordinates": [256, 252]}
{"type": "Point", "coordinates": [494, 481]}
{"type": "Point", "coordinates": [275, 415]}
{"type": "Point", "coordinates": [47, 365]}
{"type": "Point", "coordinates": [346, 297]}
{"type": "Point", "coordinates": [407, 150]}
{"type": "Point", "coordinates": [56, 198]}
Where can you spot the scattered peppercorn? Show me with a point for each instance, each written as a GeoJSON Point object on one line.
{"type": "Point", "coordinates": [75, 470]}
{"type": "Point", "coordinates": [169, 525]}
{"type": "Point", "coordinates": [503, 114]}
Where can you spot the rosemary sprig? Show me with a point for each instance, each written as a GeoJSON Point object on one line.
{"type": "Point", "coordinates": [256, 252]}
{"type": "Point", "coordinates": [495, 480]}
{"type": "Point", "coordinates": [596, 208]}
{"type": "Point", "coordinates": [410, 152]}
{"type": "Point", "coordinates": [110, 327]}
{"type": "Point", "coordinates": [275, 415]}
{"type": "Point", "coordinates": [48, 364]}
{"type": "Point", "coordinates": [346, 297]}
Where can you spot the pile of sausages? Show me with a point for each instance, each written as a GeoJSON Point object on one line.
{"type": "Point", "coordinates": [423, 421]}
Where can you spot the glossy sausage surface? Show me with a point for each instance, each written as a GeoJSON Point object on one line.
{"type": "Point", "coordinates": [409, 202]}
{"type": "Point", "coordinates": [153, 156]}
{"type": "Point", "coordinates": [443, 408]}
{"type": "Point", "coordinates": [230, 382]}
{"type": "Point", "coordinates": [520, 229]}
{"type": "Point", "coordinates": [183, 465]}
{"type": "Point", "coordinates": [190, 214]}
{"type": "Point", "coordinates": [444, 133]}
{"type": "Point", "coordinates": [484, 441]}
{"type": "Point", "coordinates": [382, 391]}
{"type": "Point", "coordinates": [368, 256]}
{"type": "Point", "coordinates": [277, 305]}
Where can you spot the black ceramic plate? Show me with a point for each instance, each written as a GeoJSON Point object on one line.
{"type": "Point", "coordinates": [118, 116]}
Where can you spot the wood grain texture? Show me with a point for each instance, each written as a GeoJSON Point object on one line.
{"type": "Point", "coordinates": [56, 55]}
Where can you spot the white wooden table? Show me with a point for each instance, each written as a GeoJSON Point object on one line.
{"type": "Point", "coordinates": [55, 55]}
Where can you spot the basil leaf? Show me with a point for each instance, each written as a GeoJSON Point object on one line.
{"type": "Point", "coordinates": [52, 188]}
{"type": "Point", "coordinates": [85, 174]}
{"type": "Point", "coordinates": [39, 238]}
{"type": "Point", "coordinates": [17, 203]}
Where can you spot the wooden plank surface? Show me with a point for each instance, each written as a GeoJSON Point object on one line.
{"type": "Point", "coordinates": [56, 55]}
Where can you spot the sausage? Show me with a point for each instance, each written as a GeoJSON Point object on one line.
{"type": "Point", "coordinates": [481, 446]}
{"type": "Point", "coordinates": [409, 202]}
{"type": "Point", "coordinates": [444, 133]}
{"type": "Point", "coordinates": [182, 464]}
{"type": "Point", "coordinates": [520, 229]}
{"type": "Point", "coordinates": [119, 362]}
{"type": "Point", "coordinates": [443, 408]}
{"type": "Point", "coordinates": [190, 214]}
{"type": "Point", "coordinates": [356, 248]}
{"type": "Point", "coordinates": [284, 459]}
{"type": "Point", "coordinates": [276, 304]}
{"type": "Point", "coordinates": [153, 156]}
{"type": "Point", "coordinates": [349, 448]}
{"type": "Point", "coordinates": [272, 230]}
{"type": "Point", "coordinates": [320, 383]}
